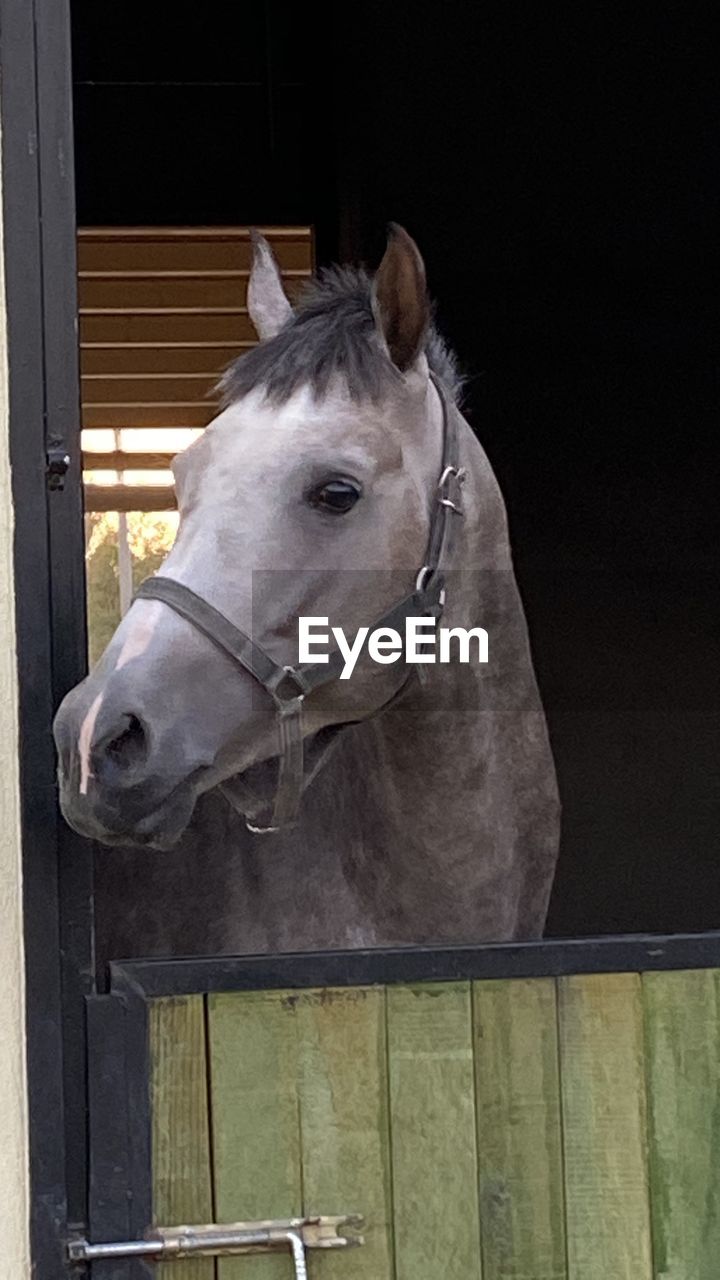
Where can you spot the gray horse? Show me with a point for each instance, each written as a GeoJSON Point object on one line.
{"type": "Point", "coordinates": [429, 811]}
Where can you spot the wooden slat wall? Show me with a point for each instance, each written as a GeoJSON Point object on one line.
{"type": "Point", "coordinates": [505, 1130]}
{"type": "Point", "coordinates": [162, 312]}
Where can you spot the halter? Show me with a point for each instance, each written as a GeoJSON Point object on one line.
{"type": "Point", "coordinates": [288, 686]}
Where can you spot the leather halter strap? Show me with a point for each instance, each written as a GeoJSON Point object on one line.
{"type": "Point", "coordinates": [290, 685]}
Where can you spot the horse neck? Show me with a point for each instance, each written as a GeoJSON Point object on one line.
{"type": "Point", "coordinates": [439, 720]}
{"type": "Point", "coordinates": [427, 791]}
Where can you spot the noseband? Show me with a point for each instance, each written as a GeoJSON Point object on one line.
{"type": "Point", "coordinates": [289, 686]}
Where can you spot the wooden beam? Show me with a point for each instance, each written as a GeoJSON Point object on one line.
{"type": "Point", "coordinates": [147, 388]}
{"type": "Point", "coordinates": [182, 1171]}
{"type": "Point", "coordinates": [433, 1136]}
{"type": "Point", "coordinates": [188, 248]}
{"type": "Point", "coordinates": [255, 1107]}
{"type": "Point", "coordinates": [152, 273]}
{"type": "Point", "coordinates": [156, 416]}
{"type": "Point", "coordinates": [120, 460]}
{"type": "Point", "coordinates": [138, 292]}
{"type": "Point", "coordinates": [134, 360]}
{"type": "Point", "coordinates": [120, 497]}
{"type": "Point", "coordinates": [110, 234]}
{"type": "Point", "coordinates": [520, 1160]}
{"type": "Point", "coordinates": [602, 1073]}
{"type": "Point", "coordinates": [682, 1018]}
{"type": "Point", "coordinates": [113, 328]}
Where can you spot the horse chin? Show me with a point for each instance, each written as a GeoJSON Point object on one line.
{"type": "Point", "coordinates": [161, 829]}
{"type": "Point", "coordinates": [252, 792]}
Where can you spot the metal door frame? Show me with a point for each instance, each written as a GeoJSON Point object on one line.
{"type": "Point", "coordinates": [39, 250]}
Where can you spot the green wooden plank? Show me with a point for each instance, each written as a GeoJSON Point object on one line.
{"type": "Point", "coordinates": [255, 1119]}
{"type": "Point", "coordinates": [682, 1013]}
{"type": "Point", "coordinates": [519, 1130]}
{"type": "Point", "coordinates": [180, 1138]}
{"type": "Point", "coordinates": [344, 1123]}
{"type": "Point", "coordinates": [433, 1132]}
{"type": "Point", "coordinates": [604, 1122]}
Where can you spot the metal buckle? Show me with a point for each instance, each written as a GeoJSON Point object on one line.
{"type": "Point", "coordinates": [422, 580]}
{"type": "Point", "coordinates": [458, 475]}
{"type": "Point", "coordinates": [289, 690]}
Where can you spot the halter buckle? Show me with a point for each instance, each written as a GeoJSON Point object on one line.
{"type": "Point", "coordinates": [450, 486]}
{"type": "Point", "coordinates": [460, 474]}
{"type": "Point", "coordinates": [421, 585]}
{"type": "Point", "coordinates": [288, 689]}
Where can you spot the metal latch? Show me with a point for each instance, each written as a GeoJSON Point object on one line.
{"type": "Point", "coordinates": [57, 467]}
{"type": "Point", "coordinates": [222, 1239]}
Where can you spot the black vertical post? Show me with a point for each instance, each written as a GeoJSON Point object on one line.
{"type": "Point", "coordinates": [65, 541]}
{"type": "Point", "coordinates": [39, 248]}
{"type": "Point", "coordinates": [23, 287]}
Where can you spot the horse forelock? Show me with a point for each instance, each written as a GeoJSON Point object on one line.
{"type": "Point", "coordinates": [331, 336]}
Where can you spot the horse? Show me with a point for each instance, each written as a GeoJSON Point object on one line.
{"type": "Point", "coordinates": [428, 810]}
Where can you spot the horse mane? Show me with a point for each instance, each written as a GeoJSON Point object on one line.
{"type": "Point", "coordinates": [332, 333]}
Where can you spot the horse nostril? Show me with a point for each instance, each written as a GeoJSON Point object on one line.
{"type": "Point", "coordinates": [129, 747]}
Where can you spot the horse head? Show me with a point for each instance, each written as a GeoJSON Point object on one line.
{"type": "Point", "coordinates": [310, 494]}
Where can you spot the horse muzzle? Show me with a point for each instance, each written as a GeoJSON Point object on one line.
{"type": "Point", "coordinates": [116, 783]}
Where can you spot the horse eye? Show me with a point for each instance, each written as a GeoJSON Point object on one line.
{"type": "Point", "coordinates": [337, 496]}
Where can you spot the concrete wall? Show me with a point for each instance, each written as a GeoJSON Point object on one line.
{"type": "Point", "coordinates": [13, 1103]}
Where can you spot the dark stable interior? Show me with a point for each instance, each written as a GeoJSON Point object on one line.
{"type": "Point", "coordinates": [559, 172]}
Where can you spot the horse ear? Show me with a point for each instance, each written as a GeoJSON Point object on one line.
{"type": "Point", "coordinates": [399, 298]}
{"type": "Point", "coordinates": [268, 306]}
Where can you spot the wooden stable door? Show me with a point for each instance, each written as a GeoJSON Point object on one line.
{"type": "Point", "coordinates": [497, 1129]}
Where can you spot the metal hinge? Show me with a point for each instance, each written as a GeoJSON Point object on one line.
{"type": "Point", "coordinates": [221, 1239]}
